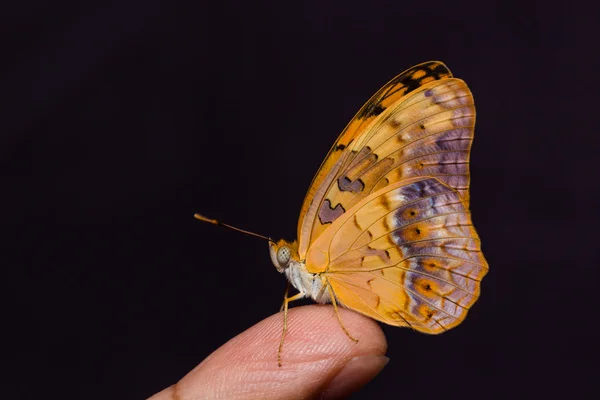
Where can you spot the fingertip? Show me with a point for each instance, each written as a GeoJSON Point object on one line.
{"type": "Point", "coordinates": [317, 357]}
{"type": "Point", "coordinates": [314, 332]}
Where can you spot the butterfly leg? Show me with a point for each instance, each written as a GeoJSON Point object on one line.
{"type": "Point", "coordinates": [284, 306]}
{"type": "Point", "coordinates": [285, 295]}
{"type": "Point", "coordinates": [335, 308]}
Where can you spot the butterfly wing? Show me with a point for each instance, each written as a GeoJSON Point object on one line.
{"type": "Point", "coordinates": [406, 255]}
{"type": "Point", "coordinates": [363, 151]}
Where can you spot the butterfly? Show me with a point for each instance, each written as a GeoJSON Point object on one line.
{"type": "Point", "coordinates": [385, 227]}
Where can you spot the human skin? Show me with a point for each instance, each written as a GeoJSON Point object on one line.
{"type": "Point", "coordinates": [318, 361]}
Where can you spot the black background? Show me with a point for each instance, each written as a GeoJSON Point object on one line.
{"type": "Point", "coordinates": [122, 119]}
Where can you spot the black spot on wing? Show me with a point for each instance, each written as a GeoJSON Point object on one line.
{"type": "Point", "coordinates": [371, 109]}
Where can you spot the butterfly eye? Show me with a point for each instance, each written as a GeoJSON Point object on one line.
{"type": "Point", "coordinates": [283, 256]}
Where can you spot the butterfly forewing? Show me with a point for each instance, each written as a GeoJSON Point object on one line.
{"type": "Point", "coordinates": [342, 154]}
{"type": "Point", "coordinates": [427, 132]}
{"type": "Point", "coordinates": [406, 255]}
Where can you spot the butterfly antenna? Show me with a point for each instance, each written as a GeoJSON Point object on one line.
{"type": "Point", "coordinates": [219, 223]}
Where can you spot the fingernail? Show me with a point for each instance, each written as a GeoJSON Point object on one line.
{"type": "Point", "coordinates": [354, 375]}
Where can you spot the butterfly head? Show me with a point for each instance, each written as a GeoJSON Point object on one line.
{"type": "Point", "coordinates": [282, 253]}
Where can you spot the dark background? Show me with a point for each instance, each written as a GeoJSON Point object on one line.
{"type": "Point", "coordinates": [122, 119]}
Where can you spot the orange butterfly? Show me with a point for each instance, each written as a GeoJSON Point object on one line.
{"type": "Point", "coordinates": [385, 228]}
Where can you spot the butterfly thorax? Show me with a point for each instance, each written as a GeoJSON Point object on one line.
{"type": "Point", "coordinates": [284, 256]}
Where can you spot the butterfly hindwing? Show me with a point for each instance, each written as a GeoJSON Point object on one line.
{"type": "Point", "coordinates": [407, 255]}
